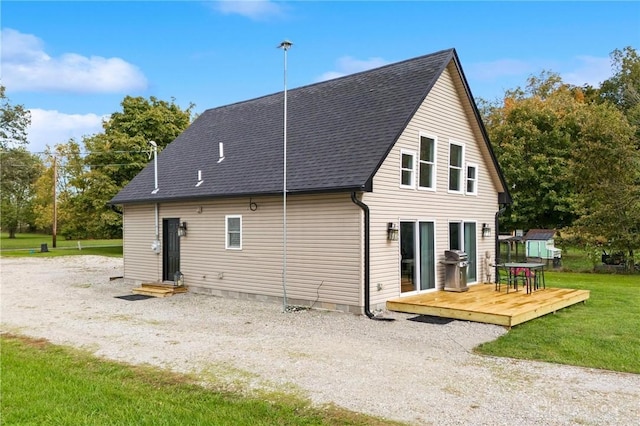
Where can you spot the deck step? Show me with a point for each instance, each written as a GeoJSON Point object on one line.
{"type": "Point", "coordinates": [159, 290]}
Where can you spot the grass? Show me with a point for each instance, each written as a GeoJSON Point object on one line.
{"type": "Point", "coordinates": [601, 334]}
{"type": "Point", "coordinates": [28, 245]}
{"type": "Point", "coordinates": [44, 384]}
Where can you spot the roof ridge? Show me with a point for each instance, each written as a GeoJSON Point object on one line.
{"type": "Point", "coordinates": [333, 80]}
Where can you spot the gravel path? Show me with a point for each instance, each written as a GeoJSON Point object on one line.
{"type": "Point", "coordinates": [415, 372]}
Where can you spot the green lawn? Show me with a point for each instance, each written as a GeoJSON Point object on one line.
{"type": "Point", "coordinates": [603, 333]}
{"type": "Point", "coordinates": [43, 384]}
{"type": "Point", "coordinates": [25, 245]}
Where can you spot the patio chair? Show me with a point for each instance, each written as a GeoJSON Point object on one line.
{"type": "Point", "coordinates": [503, 277]}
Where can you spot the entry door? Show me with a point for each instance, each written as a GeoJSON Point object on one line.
{"type": "Point", "coordinates": [171, 249]}
{"type": "Point", "coordinates": [417, 267]}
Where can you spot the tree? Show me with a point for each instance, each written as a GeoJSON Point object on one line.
{"type": "Point", "coordinates": [533, 133]}
{"type": "Point", "coordinates": [14, 121]}
{"type": "Point", "coordinates": [68, 164]}
{"type": "Point", "coordinates": [18, 171]}
{"type": "Point", "coordinates": [605, 169]}
{"type": "Point", "coordinates": [623, 88]}
{"type": "Point", "coordinates": [118, 155]}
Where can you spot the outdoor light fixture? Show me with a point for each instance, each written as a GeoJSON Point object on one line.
{"type": "Point", "coordinates": [182, 229]}
{"type": "Point", "coordinates": [392, 231]}
{"type": "Point", "coordinates": [486, 230]}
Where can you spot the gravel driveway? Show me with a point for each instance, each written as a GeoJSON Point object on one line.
{"type": "Point", "coordinates": [416, 372]}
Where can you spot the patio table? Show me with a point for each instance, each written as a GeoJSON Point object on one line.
{"type": "Point", "coordinates": [531, 271]}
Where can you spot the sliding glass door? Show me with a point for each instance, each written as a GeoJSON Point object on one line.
{"type": "Point", "coordinates": [427, 256]}
{"type": "Point", "coordinates": [417, 267]}
{"type": "Point", "coordinates": [462, 236]}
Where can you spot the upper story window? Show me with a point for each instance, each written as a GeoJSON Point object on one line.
{"type": "Point", "coordinates": [427, 161]}
{"type": "Point", "coordinates": [407, 169]}
{"type": "Point", "coordinates": [472, 179]}
{"type": "Point", "coordinates": [456, 160]}
{"type": "Point", "coordinates": [233, 232]}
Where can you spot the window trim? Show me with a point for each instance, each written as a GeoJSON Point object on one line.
{"type": "Point", "coordinates": [404, 152]}
{"type": "Point", "coordinates": [475, 179]}
{"type": "Point", "coordinates": [461, 169]}
{"type": "Point", "coordinates": [227, 241]}
{"type": "Point", "coordinates": [434, 173]}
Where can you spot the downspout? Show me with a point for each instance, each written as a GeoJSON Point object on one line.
{"type": "Point", "coordinates": [497, 244]}
{"type": "Point", "coordinates": [367, 260]}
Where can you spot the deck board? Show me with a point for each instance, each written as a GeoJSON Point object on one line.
{"type": "Point", "coordinates": [483, 304]}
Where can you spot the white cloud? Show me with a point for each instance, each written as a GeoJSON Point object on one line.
{"type": "Point", "coordinates": [27, 67]}
{"type": "Point", "coordinates": [347, 65]}
{"type": "Point", "coordinates": [253, 9]}
{"type": "Point", "coordinates": [50, 127]}
{"type": "Point", "coordinates": [590, 70]}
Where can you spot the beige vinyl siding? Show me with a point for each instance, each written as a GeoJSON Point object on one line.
{"type": "Point", "coordinates": [140, 262]}
{"type": "Point", "coordinates": [324, 247]}
{"type": "Point", "coordinates": [446, 115]}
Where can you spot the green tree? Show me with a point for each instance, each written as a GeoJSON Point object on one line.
{"type": "Point", "coordinates": [14, 121]}
{"type": "Point", "coordinates": [119, 154]}
{"type": "Point", "coordinates": [18, 171]}
{"type": "Point", "coordinates": [68, 163]}
{"type": "Point", "coordinates": [623, 88]}
{"type": "Point", "coordinates": [532, 134]}
{"type": "Point", "coordinates": [605, 170]}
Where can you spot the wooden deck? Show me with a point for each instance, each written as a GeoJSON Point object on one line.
{"type": "Point", "coordinates": [483, 304]}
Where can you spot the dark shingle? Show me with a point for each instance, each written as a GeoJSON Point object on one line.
{"type": "Point", "coordinates": [339, 132]}
{"type": "Point", "coordinates": [540, 234]}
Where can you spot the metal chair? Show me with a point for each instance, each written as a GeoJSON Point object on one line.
{"type": "Point", "coordinates": [503, 276]}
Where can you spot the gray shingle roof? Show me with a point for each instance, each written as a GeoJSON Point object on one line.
{"type": "Point", "coordinates": [540, 234]}
{"type": "Point", "coordinates": [339, 132]}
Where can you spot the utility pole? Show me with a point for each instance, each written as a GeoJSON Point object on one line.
{"type": "Point", "coordinates": [55, 203]}
{"type": "Point", "coordinates": [285, 46]}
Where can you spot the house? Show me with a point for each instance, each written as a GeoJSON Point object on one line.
{"type": "Point", "coordinates": [539, 244]}
{"type": "Point", "coordinates": [386, 169]}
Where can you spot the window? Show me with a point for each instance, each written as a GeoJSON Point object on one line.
{"type": "Point", "coordinates": [472, 179]}
{"type": "Point", "coordinates": [233, 231]}
{"type": "Point", "coordinates": [427, 162]}
{"type": "Point", "coordinates": [407, 169]}
{"type": "Point", "coordinates": [456, 154]}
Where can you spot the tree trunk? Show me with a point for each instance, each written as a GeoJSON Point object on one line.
{"type": "Point", "coordinates": [12, 233]}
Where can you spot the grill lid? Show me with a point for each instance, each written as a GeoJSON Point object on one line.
{"type": "Point", "coordinates": [456, 255]}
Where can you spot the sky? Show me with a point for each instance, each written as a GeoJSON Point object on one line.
{"type": "Point", "coordinates": [72, 63]}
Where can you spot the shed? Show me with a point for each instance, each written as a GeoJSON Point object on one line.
{"type": "Point", "coordinates": [539, 243]}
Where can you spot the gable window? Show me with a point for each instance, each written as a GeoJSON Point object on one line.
{"type": "Point", "coordinates": [407, 169]}
{"type": "Point", "coordinates": [427, 162]}
{"type": "Point", "coordinates": [233, 231]}
{"type": "Point", "coordinates": [472, 179]}
{"type": "Point", "coordinates": [456, 160]}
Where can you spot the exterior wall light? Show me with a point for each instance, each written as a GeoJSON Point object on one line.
{"type": "Point", "coordinates": [182, 229]}
{"type": "Point", "coordinates": [392, 231]}
{"type": "Point", "coordinates": [486, 230]}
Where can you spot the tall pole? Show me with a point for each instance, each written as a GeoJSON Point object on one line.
{"type": "Point", "coordinates": [54, 230]}
{"type": "Point", "coordinates": [285, 45]}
